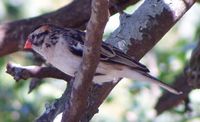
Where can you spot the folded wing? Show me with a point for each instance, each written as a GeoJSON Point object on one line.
{"type": "Point", "coordinates": [108, 52]}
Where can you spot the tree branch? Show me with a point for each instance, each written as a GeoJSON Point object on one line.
{"type": "Point", "coordinates": [78, 101]}
{"type": "Point", "coordinates": [24, 72]}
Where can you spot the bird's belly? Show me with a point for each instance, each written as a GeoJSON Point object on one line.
{"type": "Point", "coordinates": [66, 63]}
{"type": "Point", "coordinates": [109, 69]}
{"type": "Point", "coordinates": [69, 64]}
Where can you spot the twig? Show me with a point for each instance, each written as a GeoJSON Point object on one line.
{"type": "Point", "coordinates": [24, 72]}
{"type": "Point", "coordinates": [83, 79]}
{"type": "Point", "coordinates": [35, 82]}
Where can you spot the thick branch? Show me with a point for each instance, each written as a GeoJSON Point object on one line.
{"type": "Point", "coordinates": [139, 32]}
{"type": "Point", "coordinates": [83, 79]}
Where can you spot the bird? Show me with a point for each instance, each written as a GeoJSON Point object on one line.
{"type": "Point", "coordinates": [63, 49]}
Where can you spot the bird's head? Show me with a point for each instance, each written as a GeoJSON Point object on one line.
{"type": "Point", "coordinates": [43, 39]}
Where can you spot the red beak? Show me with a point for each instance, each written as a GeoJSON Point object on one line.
{"type": "Point", "coordinates": [28, 44]}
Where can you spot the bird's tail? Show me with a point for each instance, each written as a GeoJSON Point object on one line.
{"type": "Point", "coordinates": [143, 76]}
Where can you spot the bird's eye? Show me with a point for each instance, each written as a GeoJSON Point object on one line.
{"type": "Point", "coordinates": [40, 41]}
{"type": "Point", "coordinates": [32, 37]}
{"type": "Point", "coordinates": [36, 40]}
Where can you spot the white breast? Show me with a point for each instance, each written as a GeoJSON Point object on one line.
{"type": "Point", "coordinates": [64, 60]}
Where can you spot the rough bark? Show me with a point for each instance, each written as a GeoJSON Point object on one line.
{"type": "Point", "coordinates": [24, 72]}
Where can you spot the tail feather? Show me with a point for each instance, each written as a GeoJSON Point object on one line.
{"type": "Point", "coordinates": [163, 85]}
{"type": "Point", "coordinates": [143, 76]}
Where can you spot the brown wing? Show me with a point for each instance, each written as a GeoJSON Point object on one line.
{"type": "Point", "coordinates": [110, 53]}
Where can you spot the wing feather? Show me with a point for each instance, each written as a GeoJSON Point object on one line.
{"type": "Point", "coordinates": [116, 55]}
{"type": "Point", "coordinates": [109, 53]}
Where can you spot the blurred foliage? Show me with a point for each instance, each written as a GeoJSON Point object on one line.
{"type": "Point", "coordinates": [129, 101]}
